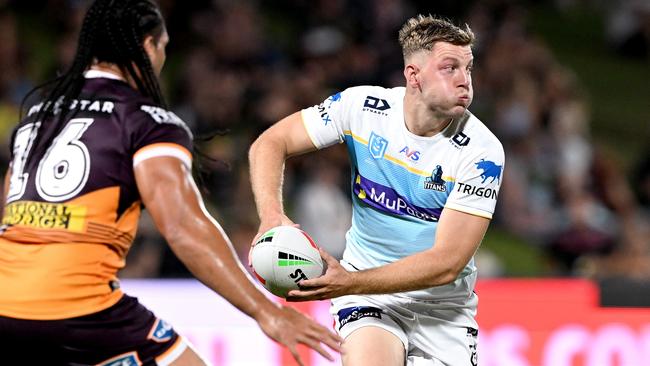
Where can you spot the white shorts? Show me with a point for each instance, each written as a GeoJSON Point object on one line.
{"type": "Point", "coordinates": [431, 335]}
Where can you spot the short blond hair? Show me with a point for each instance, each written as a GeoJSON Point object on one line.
{"type": "Point", "coordinates": [422, 32]}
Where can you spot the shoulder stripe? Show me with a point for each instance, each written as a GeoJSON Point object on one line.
{"type": "Point", "coordinates": [469, 210]}
{"type": "Point", "coordinates": [173, 352]}
{"type": "Point", "coordinates": [395, 160]}
{"type": "Point", "coordinates": [303, 117]}
{"type": "Point", "coordinates": [163, 149]}
{"type": "Point", "coordinates": [356, 137]}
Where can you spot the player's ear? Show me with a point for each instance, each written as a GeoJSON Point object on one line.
{"type": "Point", "coordinates": [149, 45]}
{"type": "Point", "coordinates": [411, 72]}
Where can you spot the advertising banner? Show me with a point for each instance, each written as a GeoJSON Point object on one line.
{"type": "Point", "coordinates": [522, 323]}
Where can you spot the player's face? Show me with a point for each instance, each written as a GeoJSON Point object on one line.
{"type": "Point", "coordinates": [156, 51]}
{"type": "Point", "coordinates": [445, 79]}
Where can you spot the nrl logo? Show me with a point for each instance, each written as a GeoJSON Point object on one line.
{"type": "Point", "coordinates": [377, 146]}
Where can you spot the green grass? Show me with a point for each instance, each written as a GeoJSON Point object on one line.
{"type": "Point", "coordinates": [519, 258]}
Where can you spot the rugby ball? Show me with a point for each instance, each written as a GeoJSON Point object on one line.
{"type": "Point", "coordinates": [282, 257]}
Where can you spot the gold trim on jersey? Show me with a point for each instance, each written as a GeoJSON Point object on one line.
{"type": "Point", "coordinates": [304, 123]}
{"type": "Point", "coordinates": [394, 160]}
{"type": "Point", "coordinates": [469, 210]}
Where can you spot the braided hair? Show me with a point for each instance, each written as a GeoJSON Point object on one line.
{"type": "Point", "coordinates": [113, 31]}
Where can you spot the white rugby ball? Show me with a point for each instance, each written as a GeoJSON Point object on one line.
{"type": "Point", "coordinates": [282, 257]}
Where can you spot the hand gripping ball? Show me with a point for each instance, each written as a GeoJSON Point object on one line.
{"type": "Point", "coordinates": [282, 257]}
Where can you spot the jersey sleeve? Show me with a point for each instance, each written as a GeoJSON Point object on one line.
{"type": "Point", "coordinates": [326, 123]}
{"type": "Point", "coordinates": [155, 132]}
{"type": "Point", "coordinates": [478, 181]}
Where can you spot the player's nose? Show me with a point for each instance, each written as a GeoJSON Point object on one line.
{"type": "Point", "coordinates": [463, 79]}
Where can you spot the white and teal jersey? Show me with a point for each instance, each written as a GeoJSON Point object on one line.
{"type": "Point", "coordinates": [401, 182]}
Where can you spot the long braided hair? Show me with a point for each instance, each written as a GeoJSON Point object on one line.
{"type": "Point", "coordinates": [113, 31]}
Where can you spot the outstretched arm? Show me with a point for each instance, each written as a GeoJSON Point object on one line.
{"type": "Point", "coordinates": [169, 193]}
{"type": "Point", "coordinates": [458, 237]}
{"type": "Point", "coordinates": [286, 138]}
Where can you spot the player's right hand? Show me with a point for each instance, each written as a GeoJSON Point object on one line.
{"type": "Point", "coordinates": [266, 225]}
{"type": "Point", "coordinates": [289, 327]}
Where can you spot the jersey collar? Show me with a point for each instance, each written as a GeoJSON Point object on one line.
{"type": "Point", "coordinates": [94, 74]}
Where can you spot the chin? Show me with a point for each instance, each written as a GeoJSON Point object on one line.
{"type": "Point", "coordinates": [458, 111]}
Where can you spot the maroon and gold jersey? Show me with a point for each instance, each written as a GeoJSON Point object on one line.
{"type": "Point", "coordinates": [70, 219]}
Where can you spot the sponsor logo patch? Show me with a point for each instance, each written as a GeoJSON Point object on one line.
{"type": "Point", "coordinates": [469, 189]}
{"type": "Point", "coordinates": [102, 106]}
{"type": "Point", "coordinates": [334, 98]}
{"type": "Point", "coordinates": [163, 116]}
{"type": "Point", "coordinates": [459, 140]}
{"type": "Point", "coordinates": [324, 116]}
{"type": "Point", "coordinates": [376, 105]}
{"type": "Point", "coordinates": [128, 359]}
{"type": "Point", "coordinates": [413, 155]}
{"type": "Point", "coordinates": [161, 331]}
{"type": "Point", "coordinates": [388, 200]}
{"type": "Point", "coordinates": [44, 215]}
{"type": "Point", "coordinates": [490, 170]}
{"type": "Point", "coordinates": [325, 106]}
{"type": "Point", "coordinates": [349, 315]}
{"type": "Point", "coordinates": [435, 181]}
{"type": "Point", "coordinates": [472, 334]}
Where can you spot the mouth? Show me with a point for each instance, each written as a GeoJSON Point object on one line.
{"type": "Point", "coordinates": [464, 100]}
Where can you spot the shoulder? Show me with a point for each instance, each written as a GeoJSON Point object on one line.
{"type": "Point", "coordinates": [369, 98]}
{"type": "Point", "coordinates": [478, 137]}
{"type": "Point", "coordinates": [143, 112]}
{"type": "Point", "coordinates": [370, 92]}
{"type": "Point", "coordinates": [133, 110]}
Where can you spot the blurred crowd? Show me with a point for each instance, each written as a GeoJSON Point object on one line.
{"type": "Point", "coordinates": [235, 67]}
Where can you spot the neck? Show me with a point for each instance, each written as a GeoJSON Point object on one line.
{"type": "Point", "coordinates": [115, 70]}
{"type": "Point", "coordinates": [420, 120]}
{"type": "Point", "coordinates": [109, 68]}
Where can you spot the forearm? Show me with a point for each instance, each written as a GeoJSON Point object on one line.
{"type": "Point", "coordinates": [418, 271]}
{"type": "Point", "coordinates": [267, 154]}
{"type": "Point", "coordinates": [266, 159]}
{"type": "Point", "coordinates": [439, 265]}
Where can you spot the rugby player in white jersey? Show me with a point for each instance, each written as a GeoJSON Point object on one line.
{"type": "Point", "coordinates": [425, 179]}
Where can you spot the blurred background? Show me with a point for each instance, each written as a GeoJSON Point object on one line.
{"type": "Point", "coordinates": [564, 84]}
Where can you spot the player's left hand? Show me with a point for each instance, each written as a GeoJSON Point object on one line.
{"type": "Point", "coordinates": [334, 283]}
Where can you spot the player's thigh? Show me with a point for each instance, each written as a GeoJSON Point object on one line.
{"type": "Point", "coordinates": [372, 345]}
{"type": "Point", "coordinates": [373, 336]}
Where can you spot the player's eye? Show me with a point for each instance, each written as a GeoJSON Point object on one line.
{"type": "Point", "coordinates": [449, 68]}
